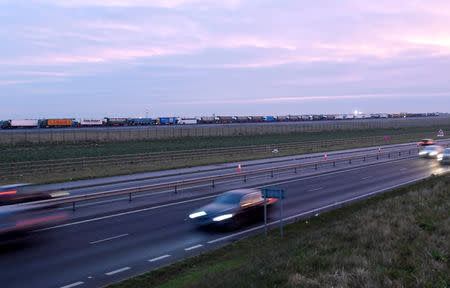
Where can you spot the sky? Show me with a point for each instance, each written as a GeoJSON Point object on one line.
{"type": "Point", "coordinates": [137, 58]}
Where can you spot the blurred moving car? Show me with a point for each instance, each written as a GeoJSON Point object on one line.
{"type": "Point", "coordinates": [232, 209]}
{"type": "Point", "coordinates": [444, 157]}
{"type": "Point", "coordinates": [20, 193]}
{"type": "Point", "coordinates": [426, 142]}
{"type": "Point", "coordinates": [15, 221]}
{"type": "Point", "coordinates": [430, 151]}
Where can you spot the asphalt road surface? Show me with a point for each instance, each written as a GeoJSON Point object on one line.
{"type": "Point", "coordinates": [95, 251]}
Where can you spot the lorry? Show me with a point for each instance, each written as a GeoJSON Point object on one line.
{"type": "Point", "coordinates": [20, 123]}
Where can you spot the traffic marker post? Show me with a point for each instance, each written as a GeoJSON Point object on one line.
{"type": "Point", "coordinates": [239, 167]}
{"type": "Point", "coordinates": [325, 157]}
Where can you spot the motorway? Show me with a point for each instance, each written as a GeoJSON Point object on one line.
{"type": "Point", "coordinates": [114, 245]}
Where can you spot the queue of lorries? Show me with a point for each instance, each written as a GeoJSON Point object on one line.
{"type": "Point", "coordinates": [122, 121]}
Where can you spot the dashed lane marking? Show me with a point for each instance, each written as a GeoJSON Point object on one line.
{"type": "Point", "coordinates": [193, 247]}
{"type": "Point", "coordinates": [159, 258]}
{"type": "Point", "coordinates": [107, 239]}
{"type": "Point", "coordinates": [118, 271]}
{"type": "Point", "coordinates": [73, 284]}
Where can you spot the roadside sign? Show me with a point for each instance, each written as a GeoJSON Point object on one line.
{"type": "Point", "coordinates": [440, 133]}
{"type": "Point", "coordinates": [273, 192]}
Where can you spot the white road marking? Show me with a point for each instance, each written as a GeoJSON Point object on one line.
{"type": "Point", "coordinates": [193, 247]}
{"type": "Point", "coordinates": [158, 258]}
{"type": "Point", "coordinates": [318, 209]}
{"type": "Point", "coordinates": [118, 271]}
{"type": "Point", "coordinates": [73, 284]}
{"type": "Point", "coordinates": [367, 177]}
{"type": "Point", "coordinates": [315, 189]}
{"type": "Point", "coordinates": [212, 196]}
{"type": "Point", "coordinates": [107, 239]}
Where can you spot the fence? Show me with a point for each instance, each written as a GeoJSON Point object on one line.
{"type": "Point", "coordinates": [9, 137]}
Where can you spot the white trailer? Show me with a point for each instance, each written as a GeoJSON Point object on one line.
{"type": "Point", "coordinates": [187, 121]}
{"type": "Point", "coordinates": [91, 122]}
{"type": "Point", "coordinates": [23, 123]}
{"type": "Point", "coordinates": [349, 116]}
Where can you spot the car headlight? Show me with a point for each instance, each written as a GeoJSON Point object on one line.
{"type": "Point", "coordinates": [440, 156]}
{"type": "Point", "coordinates": [422, 153]}
{"type": "Point", "coordinates": [434, 153]}
{"type": "Point", "coordinates": [197, 214]}
{"type": "Point", "coordinates": [222, 217]}
{"type": "Point", "coordinates": [59, 194]}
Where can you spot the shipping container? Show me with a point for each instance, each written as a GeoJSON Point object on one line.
{"type": "Point", "coordinates": [55, 123]}
{"type": "Point", "coordinates": [269, 118]}
{"type": "Point", "coordinates": [116, 121]}
{"type": "Point", "coordinates": [349, 116]}
{"type": "Point", "coordinates": [207, 120]}
{"type": "Point", "coordinates": [166, 120]}
{"type": "Point", "coordinates": [224, 119]}
{"type": "Point", "coordinates": [142, 121]}
{"type": "Point", "coordinates": [240, 119]}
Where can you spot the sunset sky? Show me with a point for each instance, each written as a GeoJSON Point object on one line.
{"type": "Point", "coordinates": [95, 58]}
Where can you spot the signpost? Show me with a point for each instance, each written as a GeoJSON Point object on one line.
{"type": "Point", "coordinates": [440, 133]}
{"type": "Point", "coordinates": [273, 192]}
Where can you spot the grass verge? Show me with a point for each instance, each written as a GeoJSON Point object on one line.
{"type": "Point", "coordinates": [396, 239]}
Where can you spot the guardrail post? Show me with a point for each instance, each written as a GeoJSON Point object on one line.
{"type": "Point", "coordinates": [295, 170]}
{"type": "Point", "coordinates": [349, 161]}
{"type": "Point", "coordinates": [245, 178]}
{"type": "Point", "coordinates": [334, 163]}
{"type": "Point", "coordinates": [272, 173]}
{"type": "Point", "coordinates": [129, 198]}
{"type": "Point", "coordinates": [176, 189]}
{"type": "Point", "coordinates": [213, 184]}
{"type": "Point", "coordinates": [399, 153]}
{"type": "Point", "coordinates": [315, 166]}
{"type": "Point", "coordinates": [389, 155]}
{"type": "Point", "coordinates": [377, 156]}
{"type": "Point", "coordinates": [73, 206]}
{"type": "Point", "coordinates": [409, 152]}
{"type": "Point", "coordinates": [364, 159]}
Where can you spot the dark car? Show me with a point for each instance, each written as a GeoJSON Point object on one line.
{"type": "Point", "coordinates": [15, 221]}
{"type": "Point", "coordinates": [20, 193]}
{"type": "Point", "coordinates": [232, 209]}
{"type": "Point", "coordinates": [427, 142]}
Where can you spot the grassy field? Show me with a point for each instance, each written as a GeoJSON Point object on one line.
{"type": "Point", "coordinates": [12, 173]}
{"type": "Point", "coordinates": [397, 239]}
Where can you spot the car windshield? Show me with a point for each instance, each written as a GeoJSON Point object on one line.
{"type": "Point", "coordinates": [228, 198]}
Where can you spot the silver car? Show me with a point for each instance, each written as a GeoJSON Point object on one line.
{"type": "Point", "coordinates": [444, 157]}
{"type": "Point", "coordinates": [430, 151]}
